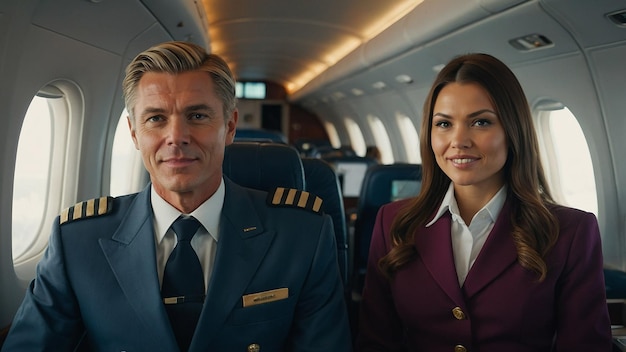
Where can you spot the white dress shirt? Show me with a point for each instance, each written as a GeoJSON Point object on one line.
{"type": "Point", "coordinates": [204, 242]}
{"type": "Point", "coordinates": [467, 241]}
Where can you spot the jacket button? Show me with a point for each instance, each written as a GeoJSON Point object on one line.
{"type": "Point", "coordinates": [458, 313]}
{"type": "Point", "coordinates": [460, 348]}
{"type": "Point", "coordinates": [254, 347]}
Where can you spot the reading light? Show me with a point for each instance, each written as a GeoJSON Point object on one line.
{"type": "Point", "coordinates": [379, 85]}
{"type": "Point", "coordinates": [357, 92]}
{"type": "Point", "coordinates": [404, 79]}
{"type": "Point", "coordinates": [438, 68]}
{"type": "Point", "coordinates": [530, 42]}
{"type": "Point", "coordinates": [338, 96]}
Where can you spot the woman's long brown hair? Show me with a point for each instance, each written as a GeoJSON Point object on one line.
{"type": "Point", "coordinates": [535, 228]}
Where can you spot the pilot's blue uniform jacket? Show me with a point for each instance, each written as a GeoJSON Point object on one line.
{"type": "Point", "coordinates": [98, 282]}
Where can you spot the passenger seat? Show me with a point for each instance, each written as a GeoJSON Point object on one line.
{"type": "Point", "coordinates": [263, 165]}
{"type": "Point", "coordinates": [322, 181]}
{"type": "Point", "coordinates": [382, 184]}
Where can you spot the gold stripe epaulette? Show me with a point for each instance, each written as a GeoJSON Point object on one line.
{"type": "Point", "coordinates": [87, 209]}
{"type": "Point", "coordinates": [290, 197]}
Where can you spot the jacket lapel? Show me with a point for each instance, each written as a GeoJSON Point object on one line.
{"type": "Point", "coordinates": [131, 255]}
{"type": "Point", "coordinates": [434, 246]}
{"type": "Point", "coordinates": [497, 254]}
{"type": "Point", "coordinates": [241, 246]}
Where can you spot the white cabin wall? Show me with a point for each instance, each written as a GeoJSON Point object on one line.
{"type": "Point", "coordinates": [385, 106]}
{"type": "Point", "coordinates": [610, 74]}
{"type": "Point", "coordinates": [403, 104]}
{"type": "Point", "coordinates": [584, 69]}
{"type": "Point", "coordinates": [42, 41]}
{"type": "Point", "coordinates": [11, 24]}
{"type": "Point", "coordinates": [361, 112]}
{"type": "Point", "coordinates": [571, 86]}
{"type": "Point", "coordinates": [603, 45]}
{"type": "Point", "coordinates": [334, 115]}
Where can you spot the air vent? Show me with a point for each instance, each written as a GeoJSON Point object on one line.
{"type": "Point", "coordinates": [618, 17]}
{"type": "Point", "coordinates": [531, 42]}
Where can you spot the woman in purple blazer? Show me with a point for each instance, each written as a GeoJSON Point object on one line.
{"type": "Point", "coordinates": [482, 259]}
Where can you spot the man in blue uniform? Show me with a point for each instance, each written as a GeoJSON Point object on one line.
{"type": "Point", "coordinates": [120, 274]}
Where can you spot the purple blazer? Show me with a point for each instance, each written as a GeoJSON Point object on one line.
{"type": "Point", "coordinates": [501, 306]}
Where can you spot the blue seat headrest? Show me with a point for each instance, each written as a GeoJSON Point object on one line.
{"type": "Point", "coordinates": [382, 184]}
{"type": "Point", "coordinates": [322, 181]}
{"type": "Point", "coordinates": [263, 166]}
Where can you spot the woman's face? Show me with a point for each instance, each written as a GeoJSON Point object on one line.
{"type": "Point", "coordinates": [468, 139]}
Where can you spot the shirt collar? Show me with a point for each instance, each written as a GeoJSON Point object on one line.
{"type": "Point", "coordinates": [492, 207]}
{"type": "Point", "coordinates": [496, 203]}
{"type": "Point", "coordinates": [208, 213]}
{"type": "Point", "coordinates": [448, 199]}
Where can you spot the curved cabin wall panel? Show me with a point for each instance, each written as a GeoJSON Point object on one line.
{"type": "Point", "coordinates": [586, 20]}
{"type": "Point", "coordinates": [493, 36]}
{"type": "Point", "coordinates": [572, 60]}
{"type": "Point", "coordinates": [494, 33]}
{"type": "Point", "coordinates": [48, 41]}
{"type": "Point", "coordinates": [109, 25]}
{"type": "Point", "coordinates": [415, 29]}
{"type": "Point", "coordinates": [182, 19]}
{"type": "Point", "coordinates": [610, 80]}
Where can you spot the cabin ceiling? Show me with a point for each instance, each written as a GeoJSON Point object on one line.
{"type": "Point", "coordinates": [291, 42]}
{"type": "Point", "coordinates": [319, 49]}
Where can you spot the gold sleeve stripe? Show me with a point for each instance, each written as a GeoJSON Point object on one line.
{"type": "Point", "coordinates": [103, 205]}
{"type": "Point", "coordinates": [317, 204]}
{"type": "Point", "coordinates": [303, 199]}
{"type": "Point", "coordinates": [78, 211]}
{"type": "Point", "coordinates": [291, 196]}
{"type": "Point", "coordinates": [86, 209]}
{"type": "Point", "coordinates": [65, 215]}
{"type": "Point", "coordinates": [90, 210]}
{"type": "Point", "coordinates": [278, 195]}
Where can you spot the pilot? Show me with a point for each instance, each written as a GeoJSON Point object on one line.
{"type": "Point", "coordinates": [193, 262]}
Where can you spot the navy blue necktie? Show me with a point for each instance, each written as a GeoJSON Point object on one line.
{"type": "Point", "coordinates": [183, 283]}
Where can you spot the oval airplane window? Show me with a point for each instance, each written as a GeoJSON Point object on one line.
{"type": "Point", "coordinates": [331, 130]}
{"type": "Point", "coordinates": [382, 139]}
{"type": "Point", "coordinates": [410, 138]}
{"type": "Point", "coordinates": [32, 167]}
{"type": "Point", "coordinates": [566, 159]}
{"type": "Point", "coordinates": [356, 137]}
{"type": "Point", "coordinates": [46, 170]}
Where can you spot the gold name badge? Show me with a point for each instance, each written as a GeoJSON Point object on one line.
{"type": "Point", "coordinates": [253, 299]}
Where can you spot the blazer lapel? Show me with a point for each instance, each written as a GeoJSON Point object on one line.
{"type": "Point", "coordinates": [434, 246]}
{"type": "Point", "coordinates": [498, 253]}
{"type": "Point", "coordinates": [131, 255]}
{"type": "Point", "coordinates": [241, 246]}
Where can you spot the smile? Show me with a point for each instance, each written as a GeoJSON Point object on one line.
{"type": "Point", "coordinates": [462, 161]}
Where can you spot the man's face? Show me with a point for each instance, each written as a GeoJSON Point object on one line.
{"type": "Point", "coordinates": [181, 131]}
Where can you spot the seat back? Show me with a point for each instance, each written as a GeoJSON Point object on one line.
{"type": "Point", "coordinates": [382, 184]}
{"type": "Point", "coordinates": [259, 135]}
{"type": "Point", "coordinates": [322, 181]}
{"type": "Point", "coordinates": [263, 166]}
{"type": "Point", "coordinates": [351, 171]}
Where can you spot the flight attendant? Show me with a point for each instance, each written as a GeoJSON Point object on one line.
{"type": "Point", "coordinates": [483, 259]}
